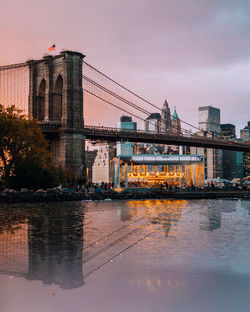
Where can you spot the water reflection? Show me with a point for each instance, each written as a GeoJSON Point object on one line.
{"type": "Point", "coordinates": [210, 214]}
{"type": "Point", "coordinates": [54, 243]}
{"type": "Point", "coordinates": [63, 243]}
{"type": "Point", "coordinates": [55, 246]}
{"type": "Point", "coordinates": [155, 282]}
{"type": "Point", "coordinates": [164, 212]}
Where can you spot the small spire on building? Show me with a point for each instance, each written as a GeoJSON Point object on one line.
{"type": "Point", "coordinates": [175, 115]}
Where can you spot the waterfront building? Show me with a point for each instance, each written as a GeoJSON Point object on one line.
{"type": "Point", "coordinates": [90, 159]}
{"type": "Point", "coordinates": [157, 170]}
{"type": "Point", "coordinates": [245, 136]}
{"type": "Point", "coordinates": [232, 161]}
{"type": "Point", "coordinates": [126, 148]}
{"type": "Point", "coordinates": [101, 167]}
{"type": "Point", "coordinates": [209, 123]}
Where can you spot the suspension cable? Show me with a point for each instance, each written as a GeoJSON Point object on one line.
{"type": "Point", "coordinates": [128, 103]}
{"type": "Point", "coordinates": [138, 96]}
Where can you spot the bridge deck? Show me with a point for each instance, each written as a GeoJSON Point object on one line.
{"type": "Point", "coordinates": [96, 133]}
{"type": "Point", "coordinates": [113, 134]}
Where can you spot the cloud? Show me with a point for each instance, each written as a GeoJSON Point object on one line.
{"type": "Point", "coordinates": [185, 50]}
{"type": "Point", "coordinates": [173, 35]}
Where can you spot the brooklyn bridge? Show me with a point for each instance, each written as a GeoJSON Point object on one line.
{"type": "Point", "coordinates": [75, 102]}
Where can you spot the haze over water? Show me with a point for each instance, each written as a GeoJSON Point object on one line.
{"type": "Point", "coordinates": [151, 255]}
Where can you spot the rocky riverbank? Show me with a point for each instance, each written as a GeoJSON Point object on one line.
{"type": "Point", "coordinates": [51, 195]}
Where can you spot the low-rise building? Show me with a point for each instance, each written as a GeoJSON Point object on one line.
{"type": "Point", "coordinates": [157, 170]}
{"type": "Point", "coordinates": [90, 159]}
{"type": "Point", "coordinates": [101, 170]}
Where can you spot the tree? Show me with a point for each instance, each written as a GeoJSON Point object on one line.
{"type": "Point", "coordinates": [24, 157]}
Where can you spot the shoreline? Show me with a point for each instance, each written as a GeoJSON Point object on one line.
{"type": "Point", "coordinates": [54, 195]}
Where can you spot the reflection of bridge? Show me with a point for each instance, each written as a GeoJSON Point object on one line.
{"type": "Point", "coordinates": [63, 243]}
{"type": "Point", "coordinates": [58, 244]}
{"type": "Point", "coordinates": [58, 87]}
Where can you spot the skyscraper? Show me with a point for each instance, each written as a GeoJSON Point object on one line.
{"type": "Point", "coordinates": [209, 119]}
{"type": "Point", "coordinates": [245, 136]}
{"type": "Point", "coordinates": [245, 132]}
{"type": "Point", "coordinates": [165, 117]}
{"type": "Point", "coordinates": [209, 123]}
{"type": "Point", "coordinates": [175, 123]}
{"type": "Point", "coordinates": [232, 161]}
{"type": "Point", "coordinates": [153, 123]}
{"type": "Point", "coordinates": [228, 131]}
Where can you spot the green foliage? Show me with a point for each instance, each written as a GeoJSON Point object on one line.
{"type": "Point", "coordinates": [66, 177]}
{"type": "Point", "coordinates": [30, 174]}
{"type": "Point", "coordinates": [24, 157]}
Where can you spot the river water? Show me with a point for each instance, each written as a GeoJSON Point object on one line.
{"type": "Point", "coordinates": [136, 256]}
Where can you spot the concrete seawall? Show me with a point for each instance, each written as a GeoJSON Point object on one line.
{"type": "Point", "coordinates": [56, 195]}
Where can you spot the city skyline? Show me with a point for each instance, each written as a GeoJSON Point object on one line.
{"type": "Point", "coordinates": [194, 54]}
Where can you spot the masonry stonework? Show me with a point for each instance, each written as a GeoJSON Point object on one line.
{"type": "Point", "coordinates": [56, 99]}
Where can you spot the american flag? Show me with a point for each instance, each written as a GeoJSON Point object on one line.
{"type": "Point", "coordinates": [52, 48]}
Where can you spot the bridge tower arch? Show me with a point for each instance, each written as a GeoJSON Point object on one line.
{"type": "Point", "coordinates": [39, 108]}
{"type": "Point", "coordinates": [56, 100]}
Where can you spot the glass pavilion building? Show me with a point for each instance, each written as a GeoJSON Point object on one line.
{"type": "Point", "coordinates": [157, 170]}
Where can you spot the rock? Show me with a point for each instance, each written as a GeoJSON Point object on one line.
{"type": "Point", "coordinates": [9, 191]}
{"type": "Point", "coordinates": [54, 190]}
{"type": "Point", "coordinates": [24, 190]}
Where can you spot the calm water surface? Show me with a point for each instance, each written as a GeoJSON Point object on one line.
{"type": "Point", "coordinates": [152, 255]}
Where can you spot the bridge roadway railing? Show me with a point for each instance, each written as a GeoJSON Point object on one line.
{"type": "Point", "coordinates": [13, 66]}
{"type": "Point", "coordinates": [95, 133]}
{"type": "Point", "coordinates": [115, 134]}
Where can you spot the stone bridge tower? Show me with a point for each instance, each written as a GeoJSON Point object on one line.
{"type": "Point", "coordinates": [56, 100]}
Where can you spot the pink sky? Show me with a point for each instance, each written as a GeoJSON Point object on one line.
{"type": "Point", "coordinates": [193, 53]}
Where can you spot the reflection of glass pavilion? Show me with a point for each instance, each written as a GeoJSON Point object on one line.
{"type": "Point", "coordinates": [155, 170]}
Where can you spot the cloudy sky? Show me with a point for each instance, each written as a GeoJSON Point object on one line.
{"type": "Point", "coordinates": [192, 52]}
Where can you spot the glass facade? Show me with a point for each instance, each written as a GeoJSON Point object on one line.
{"type": "Point", "coordinates": [158, 170]}
{"type": "Point", "coordinates": [209, 119]}
{"type": "Point", "coordinates": [245, 136]}
{"type": "Point", "coordinates": [126, 148]}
